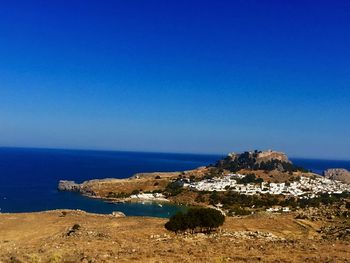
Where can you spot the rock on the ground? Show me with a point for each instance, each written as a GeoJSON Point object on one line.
{"type": "Point", "coordinates": [118, 214]}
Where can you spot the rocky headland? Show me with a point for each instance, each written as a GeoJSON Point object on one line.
{"type": "Point", "coordinates": [64, 185]}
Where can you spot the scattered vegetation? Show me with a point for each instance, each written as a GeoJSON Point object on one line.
{"type": "Point", "coordinates": [213, 172]}
{"type": "Point", "coordinates": [250, 179]}
{"type": "Point", "coordinates": [324, 199]}
{"type": "Point", "coordinates": [200, 198]}
{"type": "Point", "coordinates": [135, 192]}
{"type": "Point", "coordinates": [192, 178]}
{"type": "Point", "coordinates": [173, 188]}
{"type": "Point", "coordinates": [277, 164]}
{"type": "Point", "coordinates": [232, 200]}
{"type": "Point", "coordinates": [203, 220]}
{"type": "Point", "coordinates": [117, 195]}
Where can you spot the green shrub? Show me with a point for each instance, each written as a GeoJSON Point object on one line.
{"type": "Point", "coordinates": [214, 198]}
{"type": "Point", "coordinates": [250, 178]}
{"type": "Point", "coordinates": [196, 220]}
{"type": "Point", "coordinates": [200, 198]}
{"type": "Point", "coordinates": [117, 195]}
{"type": "Point", "coordinates": [173, 188]}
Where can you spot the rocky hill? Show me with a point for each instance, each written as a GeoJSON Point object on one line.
{"type": "Point", "coordinates": [258, 160]}
{"type": "Point", "coordinates": [342, 175]}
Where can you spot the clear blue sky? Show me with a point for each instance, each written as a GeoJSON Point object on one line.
{"type": "Point", "coordinates": [177, 76]}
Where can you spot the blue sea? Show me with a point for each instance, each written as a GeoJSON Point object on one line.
{"type": "Point", "coordinates": [29, 177]}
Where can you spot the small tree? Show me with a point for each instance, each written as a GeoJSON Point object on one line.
{"type": "Point", "coordinates": [214, 198]}
{"type": "Point", "coordinates": [196, 219]}
{"type": "Point", "coordinates": [173, 188]}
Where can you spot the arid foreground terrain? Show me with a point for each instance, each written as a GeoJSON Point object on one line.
{"type": "Point", "coordinates": [76, 236]}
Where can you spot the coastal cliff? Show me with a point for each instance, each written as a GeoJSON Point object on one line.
{"type": "Point", "coordinates": [64, 185]}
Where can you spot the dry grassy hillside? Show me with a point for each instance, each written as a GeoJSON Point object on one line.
{"type": "Point", "coordinates": [52, 237]}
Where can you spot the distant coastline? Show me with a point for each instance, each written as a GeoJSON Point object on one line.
{"type": "Point", "coordinates": [249, 173]}
{"type": "Point", "coordinates": [30, 176]}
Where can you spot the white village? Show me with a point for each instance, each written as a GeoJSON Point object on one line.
{"type": "Point", "coordinates": [304, 187]}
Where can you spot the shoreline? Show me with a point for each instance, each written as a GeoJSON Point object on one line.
{"type": "Point", "coordinates": [132, 200]}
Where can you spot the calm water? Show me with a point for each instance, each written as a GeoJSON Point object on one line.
{"type": "Point", "coordinates": [318, 166]}
{"type": "Point", "coordinates": [29, 177]}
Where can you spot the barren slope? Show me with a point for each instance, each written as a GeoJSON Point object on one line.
{"type": "Point", "coordinates": [43, 237]}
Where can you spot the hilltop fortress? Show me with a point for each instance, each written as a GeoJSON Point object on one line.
{"type": "Point", "coordinates": [263, 156]}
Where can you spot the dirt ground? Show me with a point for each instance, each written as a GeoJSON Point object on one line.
{"type": "Point", "coordinates": [51, 237]}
